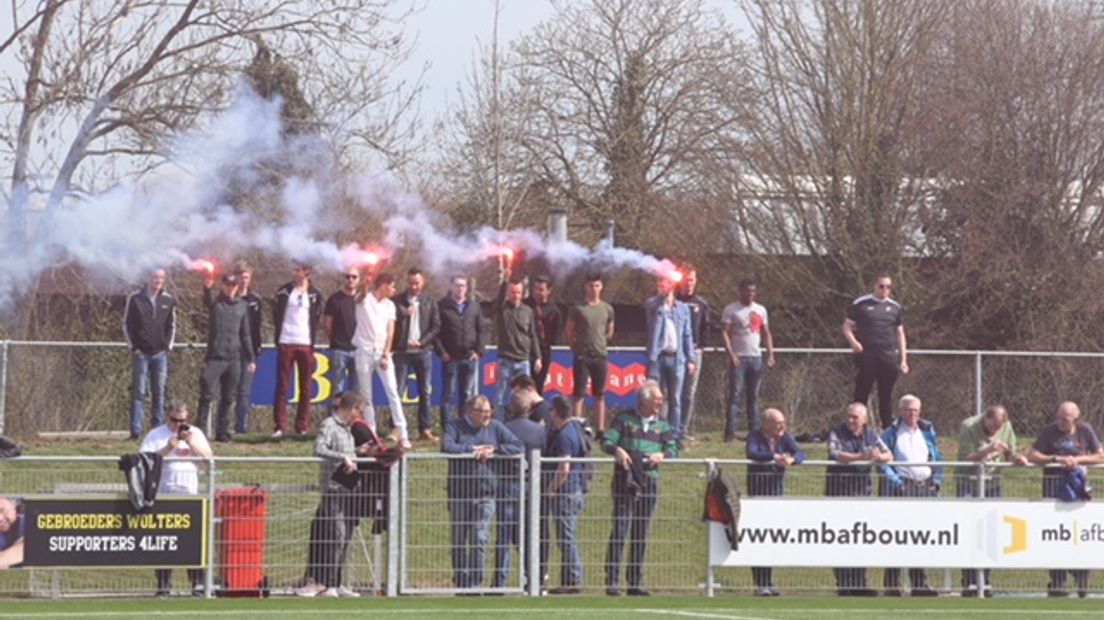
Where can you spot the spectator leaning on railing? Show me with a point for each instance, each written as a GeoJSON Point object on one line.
{"type": "Point", "coordinates": [850, 442]}
{"type": "Point", "coordinates": [984, 438]}
{"type": "Point", "coordinates": [773, 449]}
{"type": "Point", "coordinates": [1068, 444]}
{"type": "Point", "coordinates": [910, 440]}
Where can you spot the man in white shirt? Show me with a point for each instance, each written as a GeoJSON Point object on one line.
{"type": "Point", "coordinates": [175, 440]}
{"type": "Point", "coordinates": [375, 331]}
{"type": "Point", "coordinates": [746, 328]}
{"type": "Point", "coordinates": [911, 440]}
{"type": "Point", "coordinates": [296, 314]}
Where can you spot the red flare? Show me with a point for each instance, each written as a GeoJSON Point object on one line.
{"type": "Point", "coordinates": [204, 266]}
{"type": "Point", "coordinates": [369, 258]}
{"type": "Point", "coordinates": [508, 255]}
{"type": "Point", "coordinates": [676, 276]}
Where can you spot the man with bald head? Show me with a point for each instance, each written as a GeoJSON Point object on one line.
{"type": "Point", "coordinates": [856, 447]}
{"type": "Point", "coordinates": [985, 438]}
{"type": "Point", "coordinates": [1065, 445]}
{"type": "Point", "coordinates": [773, 449]}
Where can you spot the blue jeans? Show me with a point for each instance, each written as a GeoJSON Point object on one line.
{"type": "Point", "coordinates": [471, 529]}
{"type": "Point", "coordinates": [566, 508]}
{"type": "Point", "coordinates": [689, 391]}
{"type": "Point", "coordinates": [462, 373]}
{"type": "Point", "coordinates": [507, 512]}
{"type": "Point", "coordinates": [422, 365]}
{"type": "Point", "coordinates": [245, 398]}
{"type": "Point", "coordinates": [147, 370]}
{"type": "Point", "coordinates": [670, 374]}
{"type": "Point", "coordinates": [507, 370]}
{"type": "Point", "coordinates": [743, 380]}
{"type": "Point", "coordinates": [343, 369]}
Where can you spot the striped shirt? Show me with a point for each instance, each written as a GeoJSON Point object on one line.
{"type": "Point", "coordinates": [632, 434]}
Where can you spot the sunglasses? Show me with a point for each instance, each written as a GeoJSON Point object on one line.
{"type": "Point", "coordinates": [178, 420]}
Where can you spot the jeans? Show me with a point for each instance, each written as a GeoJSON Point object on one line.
{"type": "Point", "coordinates": [471, 529]}
{"type": "Point", "coordinates": [632, 514]}
{"type": "Point", "coordinates": [689, 392]}
{"type": "Point", "coordinates": [367, 361]}
{"type": "Point", "coordinates": [343, 369]}
{"type": "Point", "coordinates": [670, 374]}
{"type": "Point", "coordinates": [226, 374]}
{"type": "Point", "coordinates": [507, 370]}
{"type": "Point", "coordinates": [566, 508]}
{"type": "Point", "coordinates": [245, 398]}
{"type": "Point", "coordinates": [743, 382]}
{"type": "Point", "coordinates": [302, 357]}
{"type": "Point", "coordinates": [507, 513]}
{"type": "Point", "coordinates": [421, 363]}
{"type": "Point", "coordinates": [147, 370]}
{"type": "Point", "coordinates": [457, 372]}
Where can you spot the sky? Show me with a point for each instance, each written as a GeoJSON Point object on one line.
{"type": "Point", "coordinates": [449, 32]}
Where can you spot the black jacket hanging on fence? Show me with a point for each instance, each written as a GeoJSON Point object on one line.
{"type": "Point", "coordinates": [722, 504]}
{"type": "Point", "coordinates": [8, 448]}
{"type": "Point", "coordinates": [143, 474]}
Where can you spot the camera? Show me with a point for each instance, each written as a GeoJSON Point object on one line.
{"type": "Point", "coordinates": [184, 428]}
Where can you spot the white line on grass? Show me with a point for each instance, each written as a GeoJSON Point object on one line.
{"type": "Point", "coordinates": [696, 614]}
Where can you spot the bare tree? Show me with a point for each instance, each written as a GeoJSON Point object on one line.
{"type": "Point", "coordinates": [629, 97]}
{"type": "Point", "coordinates": [830, 174]}
{"type": "Point", "coordinates": [1018, 90]}
{"type": "Point", "coordinates": [105, 83]}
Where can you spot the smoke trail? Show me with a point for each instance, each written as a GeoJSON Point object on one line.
{"type": "Point", "coordinates": [191, 209]}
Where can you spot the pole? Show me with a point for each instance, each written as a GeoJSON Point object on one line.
{"type": "Point", "coordinates": [3, 381]}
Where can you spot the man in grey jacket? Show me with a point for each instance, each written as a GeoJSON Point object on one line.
{"type": "Point", "coordinates": [229, 344]}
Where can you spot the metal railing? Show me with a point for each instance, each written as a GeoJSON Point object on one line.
{"type": "Point", "coordinates": [410, 552]}
{"type": "Point", "coordinates": [72, 386]}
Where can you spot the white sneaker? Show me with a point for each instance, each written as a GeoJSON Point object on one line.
{"type": "Point", "coordinates": [329, 593]}
{"type": "Point", "coordinates": [278, 434]}
{"type": "Point", "coordinates": [347, 592]}
{"type": "Point", "coordinates": [406, 444]}
{"type": "Point", "coordinates": [310, 590]}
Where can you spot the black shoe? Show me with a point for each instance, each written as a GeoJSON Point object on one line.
{"type": "Point", "coordinates": [923, 591]}
{"type": "Point", "coordinates": [639, 592]}
{"type": "Point", "coordinates": [162, 593]}
{"type": "Point", "coordinates": [865, 592]}
{"type": "Point", "coordinates": [613, 591]}
{"type": "Point", "coordinates": [224, 439]}
{"type": "Point", "coordinates": [893, 592]}
{"type": "Point", "coordinates": [1057, 593]}
{"type": "Point", "coordinates": [133, 437]}
{"type": "Point", "coordinates": [1082, 593]}
{"type": "Point", "coordinates": [565, 590]}
{"type": "Point", "coordinates": [845, 592]}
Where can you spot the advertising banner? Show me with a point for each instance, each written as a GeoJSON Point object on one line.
{"type": "Point", "coordinates": [110, 532]}
{"type": "Point", "coordinates": [920, 533]}
{"type": "Point", "coordinates": [627, 370]}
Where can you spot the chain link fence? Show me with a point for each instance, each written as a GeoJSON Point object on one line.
{"type": "Point", "coordinates": [70, 386]}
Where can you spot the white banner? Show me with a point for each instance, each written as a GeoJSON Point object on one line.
{"type": "Point", "coordinates": [920, 533]}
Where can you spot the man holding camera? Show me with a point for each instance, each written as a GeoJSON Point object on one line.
{"type": "Point", "coordinates": [176, 441]}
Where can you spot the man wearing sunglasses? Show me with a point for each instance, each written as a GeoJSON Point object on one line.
{"type": "Point", "coordinates": [339, 322]}
{"type": "Point", "coordinates": [177, 441]}
{"type": "Point", "coordinates": [875, 330]}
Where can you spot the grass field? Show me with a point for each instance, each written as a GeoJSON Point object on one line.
{"type": "Point", "coordinates": [606, 608]}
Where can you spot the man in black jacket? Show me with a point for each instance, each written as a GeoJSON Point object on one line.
{"type": "Point", "coordinates": [550, 321]}
{"type": "Point", "coordinates": [416, 331]}
{"type": "Point", "coordinates": [296, 314]}
{"type": "Point", "coordinates": [253, 308]}
{"type": "Point", "coordinates": [229, 346]}
{"type": "Point", "coordinates": [460, 345]}
{"type": "Point", "coordinates": [149, 326]}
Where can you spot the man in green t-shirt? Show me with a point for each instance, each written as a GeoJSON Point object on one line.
{"type": "Point", "coordinates": [984, 438]}
{"type": "Point", "coordinates": [588, 332]}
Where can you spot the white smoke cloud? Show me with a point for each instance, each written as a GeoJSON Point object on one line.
{"type": "Point", "coordinates": [183, 212]}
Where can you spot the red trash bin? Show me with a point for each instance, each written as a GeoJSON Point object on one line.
{"type": "Point", "coordinates": [242, 513]}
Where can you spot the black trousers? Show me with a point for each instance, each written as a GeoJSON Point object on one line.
{"type": "Point", "coordinates": [226, 374]}
{"type": "Point", "coordinates": [871, 369]}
